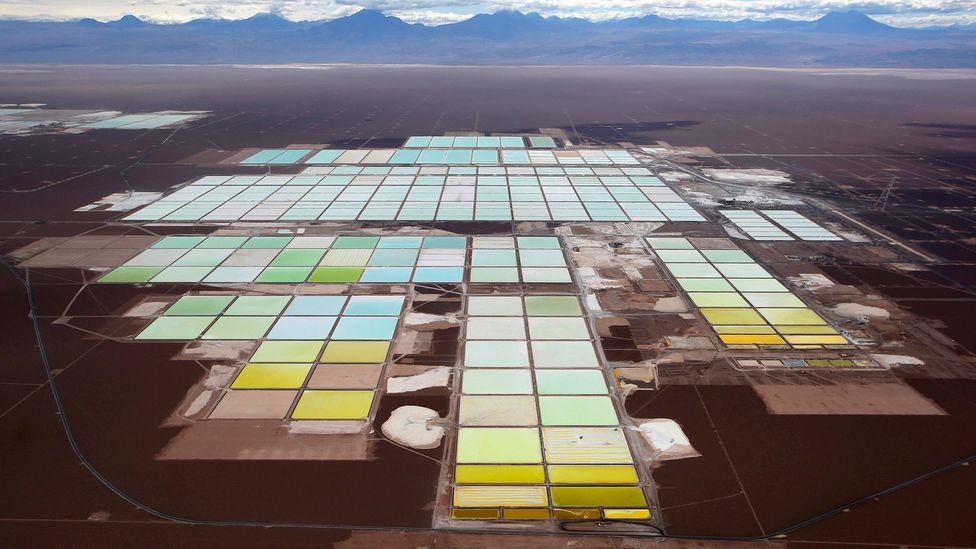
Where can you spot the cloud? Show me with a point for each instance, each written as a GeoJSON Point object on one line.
{"type": "Point", "coordinates": [900, 12]}
{"type": "Point", "coordinates": [429, 17]}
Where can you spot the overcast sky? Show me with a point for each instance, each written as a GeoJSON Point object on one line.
{"type": "Point", "coordinates": [895, 12]}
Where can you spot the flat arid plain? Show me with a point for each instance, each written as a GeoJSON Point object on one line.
{"type": "Point", "coordinates": [753, 285]}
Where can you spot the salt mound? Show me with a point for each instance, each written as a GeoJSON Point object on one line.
{"type": "Point", "coordinates": [894, 360]}
{"type": "Point", "coordinates": [410, 426]}
{"type": "Point", "coordinates": [667, 438]}
{"type": "Point", "coordinates": [855, 310]}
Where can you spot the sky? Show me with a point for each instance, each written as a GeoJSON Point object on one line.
{"type": "Point", "coordinates": [903, 13]}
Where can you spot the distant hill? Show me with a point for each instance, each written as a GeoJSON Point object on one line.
{"type": "Point", "coordinates": [506, 37]}
{"type": "Point", "coordinates": [850, 22]}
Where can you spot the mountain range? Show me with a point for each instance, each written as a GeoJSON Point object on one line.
{"type": "Point", "coordinates": [838, 39]}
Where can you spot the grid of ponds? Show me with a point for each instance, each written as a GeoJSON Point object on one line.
{"type": "Point", "coordinates": [803, 228]}
{"type": "Point", "coordinates": [754, 224]}
{"type": "Point", "coordinates": [346, 259]}
{"type": "Point", "coordinates": [766, 363]}
{"type": "Point", "coordinates": [464, 142]}
{"type": "Point", "coordinates": [500, 155]}
{"type": "Point", "coordinates": [538, 436]}
{"type": "Point", "coordinates": [645, 175]}
{"type": "Point", "coordinates": [364, 196]}
{"type": "Point", "coordinates": [277, 156]}
{"type": "Point", "coordinates": [318, 357]}
{"type": "Point", "coordinates": [18, 120]}
{"type": "Point", "coordinates": [150, 121]}
{"type": "Point", "coordinates": [745, 305]}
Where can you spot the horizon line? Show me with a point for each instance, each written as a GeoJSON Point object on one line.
{"type": "Point", "coordinates": [151, 21]}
